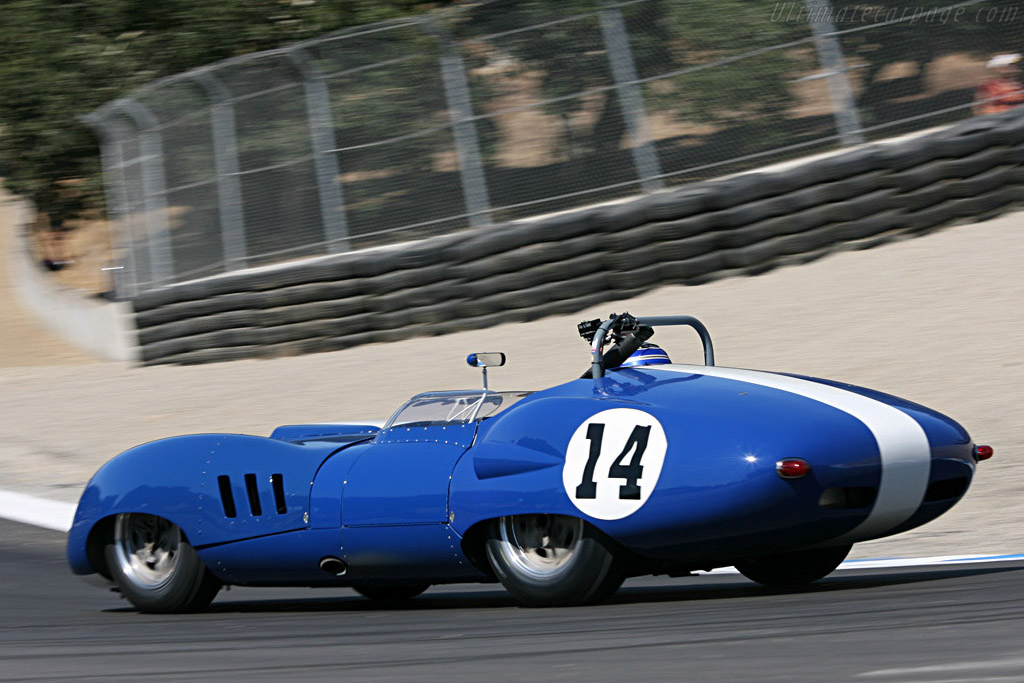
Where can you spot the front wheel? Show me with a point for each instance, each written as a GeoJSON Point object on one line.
{"type": "Point", "coordinates": [794, 569]}
{"type": "Point", "coordinates": [155, 567]}
{"type": "Point", "coordinates": [548, 560]}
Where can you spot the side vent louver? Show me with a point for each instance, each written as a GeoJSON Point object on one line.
{"type": "Point", "coordinates": [227, 498]}
{"type": "Point", "coordinates": [277, 481]}
{"type": "Point", "coordinates": [254, 495]}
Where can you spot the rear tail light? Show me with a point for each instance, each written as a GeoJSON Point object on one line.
{"type": "Point", "coordinates": [792, 468]}
{"type": "Point", "coordinates": [983, 453]}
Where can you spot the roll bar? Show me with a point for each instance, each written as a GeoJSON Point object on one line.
{"type": "Point", "coordinates": [653, 321]}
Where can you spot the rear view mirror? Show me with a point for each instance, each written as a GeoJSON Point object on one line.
{"type": "Point", "coordinates": [490, 359]}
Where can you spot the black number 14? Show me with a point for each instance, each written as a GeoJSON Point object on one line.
{"type": "Point", "coordinates": [637, 443]}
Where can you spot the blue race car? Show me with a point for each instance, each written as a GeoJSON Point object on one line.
{"type": "Point", "coordinates": [639, 467]}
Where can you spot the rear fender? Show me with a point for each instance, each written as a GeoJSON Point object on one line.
{"type": "Point", "coordinates": [717, 481]}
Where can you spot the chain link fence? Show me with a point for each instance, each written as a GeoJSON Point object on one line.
{"type": "Point", "coordinates": [499, 110]}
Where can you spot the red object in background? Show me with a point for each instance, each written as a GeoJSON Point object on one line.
{"type": "Point", "coordinates": [998, 94]}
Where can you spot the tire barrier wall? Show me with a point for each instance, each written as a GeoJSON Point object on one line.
{"type": "Point", "coordinates": [561, 264]}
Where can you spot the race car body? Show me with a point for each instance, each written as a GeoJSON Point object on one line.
{"type": "Point", "coordinates": [559, 494]}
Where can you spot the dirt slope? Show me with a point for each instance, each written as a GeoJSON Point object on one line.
{"type": "Point", "coordinates": [23, 341]}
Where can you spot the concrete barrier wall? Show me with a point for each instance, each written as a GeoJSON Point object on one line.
{"type": "Point", "coordinates": [103, 329]}
{"type": "Point", "coordinates": [563, 263]}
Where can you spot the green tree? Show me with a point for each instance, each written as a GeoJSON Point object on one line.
{"type": "Point", "coordinates": [918, 34]}
{"type": "Point", "coordinates": [64, 58]}
{"type": "Point", "coordinates": [665, 37]}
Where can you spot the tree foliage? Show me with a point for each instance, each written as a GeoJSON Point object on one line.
{"type": "Point", "coordinates": [664, 37]}
{"type": "Point", "coordinates": [64, 58]}
{"type": "Point", "coordinates": [918, 34]}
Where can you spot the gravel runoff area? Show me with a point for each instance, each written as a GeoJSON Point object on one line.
{"type": "Point", "coordinates": [936, 319]}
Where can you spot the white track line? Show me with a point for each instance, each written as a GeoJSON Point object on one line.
{"type": "Point", "coordinates": [49, 514]}
{"type": "Point", "coordinates": [888, 563]}
{"type": "Point", "coordinates": [57, 515]}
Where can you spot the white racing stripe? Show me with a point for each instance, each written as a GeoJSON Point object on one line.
{"type": "Point", "coordinates": [902, 443]}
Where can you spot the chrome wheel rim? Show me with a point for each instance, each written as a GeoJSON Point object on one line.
{"type": "Point", "coordinates": [146, 547]}
{"type": "Point", "coordinates": [540, 546]}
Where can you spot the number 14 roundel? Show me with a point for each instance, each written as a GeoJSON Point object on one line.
{"type": "Point", "coordinates": [613, 462]}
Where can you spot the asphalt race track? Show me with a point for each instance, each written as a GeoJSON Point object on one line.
{"type": "Point", "coordinates": [923, 624]}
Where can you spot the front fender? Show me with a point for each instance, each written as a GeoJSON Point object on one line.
{"type": "Point", "coordinates": [217, 487]}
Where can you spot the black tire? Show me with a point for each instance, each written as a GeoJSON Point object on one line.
{"type": "Point", "coordinates": [691, 270]}
{"type": "Point", "coordinates": [967, 138]}
{"type": "Point", "coordinates": [859, 207]}
{"type": "Point", "coordinates": [657, 232]}
{"type": "Point", "coordinates": [624, 216]}
{"type": "Point", "coordinates": [911, 154]}
{"type": "Point", "coordinates": [856, 186]}
{"type": "Point", "coordinates": [857, 162]}
{"type": "Point", "coordinates": [552, 560]}
{"type": "Point", "coordinates": [390, 592]}
{"type": "Point", "coordinates": [809, 197]}
{"type": "Point", "coordinates": [870, 226]}
{"type": "Point", "coordinates": [745, 189]}
{"type": "Point", "coordinates": [156, 569]}
{"type": "Point", "coordinates": [745, 214]}
{"type": "Point", "coordinates": [794, 569]}
{"type": "Point", "coordinates": [671, 206]}
{"type": "Point", "coordinates": [985, 182]}
{"type": "Point", "coordinates": [1011, 131]}
{"type": "Point", "coordinates": [201, 356]}
{"type": "Point", "coordinates": [776, 227]}
{"type": "Point", "coordinates": [919, 176]}
{"type": "Point", "coordinates": [929, 218]}
{"type": "Point", "coordinates": [978, 163]}
{"type": "Point", "coordinates": [924, 197]}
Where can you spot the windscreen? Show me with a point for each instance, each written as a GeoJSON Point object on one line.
{"type": "Point", "coordinates": [454, 407]}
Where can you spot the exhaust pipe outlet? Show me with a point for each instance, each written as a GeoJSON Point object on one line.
{"type": "Point", "coordinates": [333, 566]}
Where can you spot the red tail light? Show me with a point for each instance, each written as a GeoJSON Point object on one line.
{"type": "Point", "coordinates": [983, 453]}
{"type": "Point", "coordinates": [792, 468]}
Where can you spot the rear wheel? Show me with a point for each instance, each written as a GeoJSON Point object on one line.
{"type": "Point", "coordinates": [383, 592]}
{"type": "Point", "coordinates": [794, 569]}
{"type": "Point", "coordinates": [155, 567]}
{"type": "Point", "coordinates": [548, 560]}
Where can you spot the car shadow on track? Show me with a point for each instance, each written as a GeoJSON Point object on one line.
{"type": "Point", "coordinates": [736, 587]}
{"type": "Point", "coordinates": [650, 590]}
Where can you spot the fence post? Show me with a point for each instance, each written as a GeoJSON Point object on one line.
{"type": "Point", "coordinates": [631, 98]}
{"type": "Point", "coordinates": [225, 158]}
{"type": "Point", "coordinates": [154, 189]}
{"type": "Point", "coordinates": [321, 130]}
{"type": "Point", "coordinates": [460, 113]}
{"type": "Point", "coordinates": [116, 191]}
{"type": "Point", "coordinates": [830, 52]}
